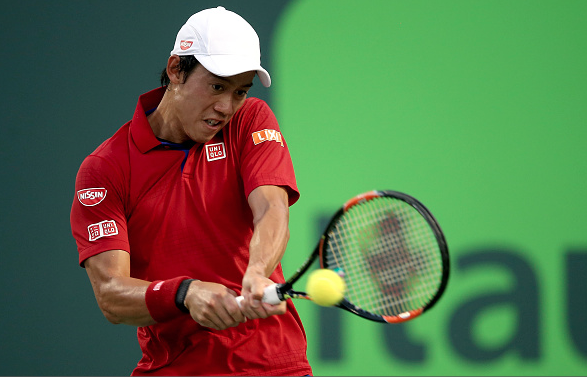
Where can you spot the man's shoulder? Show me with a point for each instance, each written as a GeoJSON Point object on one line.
{"type": "Point", "coordinates": [115, 146]}
{"type": "Point", "coordinates": [254, 109]}
{"type": "Point", "coordinates": [254, 103]}
{"type": "Point", "coordinates": [113, 153]}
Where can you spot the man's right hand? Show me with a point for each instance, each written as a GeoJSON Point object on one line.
{"type": "Point", "coordinates": [213, 305]}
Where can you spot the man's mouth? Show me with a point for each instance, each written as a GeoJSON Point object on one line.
{"type": "Point", "coordinates": [212, 122]}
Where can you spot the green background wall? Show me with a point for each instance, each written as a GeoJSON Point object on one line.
{"type": "Point", "coordinates": [477, 108]}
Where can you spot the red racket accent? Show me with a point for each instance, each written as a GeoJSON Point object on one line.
{"type": "Point", "coordinates": [402, 317]}
{"type": "Point", "coordinates": [361, 198]}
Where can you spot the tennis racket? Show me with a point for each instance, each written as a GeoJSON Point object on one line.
{"type": "Point", "coordinates": [389, 250]}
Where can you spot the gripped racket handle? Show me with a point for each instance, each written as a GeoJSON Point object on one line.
{"type": "Point", "coordinates": [270, 295]}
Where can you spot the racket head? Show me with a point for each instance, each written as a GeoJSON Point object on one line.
{"type": "Point", "coordinates": [392, 254]}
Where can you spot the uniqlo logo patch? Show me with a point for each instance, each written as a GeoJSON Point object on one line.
{"type": "Point", "coordinates": [102, 229]}
{"type": "Point", "coordinates": [215, 151]}
{"type": "Point", "coordinates": [184, 45]}
{"type": "Point", "coordinates": [91, 196]}
{"type": "Point", "coordinates": [267, 135]}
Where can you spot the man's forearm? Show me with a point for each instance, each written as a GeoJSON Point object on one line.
{"type": "Point", "coordinates": [271, 229]}
{"type": "Point", "coordinates": [122, 301]}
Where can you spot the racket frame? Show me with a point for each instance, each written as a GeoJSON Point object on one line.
{"type": "Point", "coordinates": [285, 291]}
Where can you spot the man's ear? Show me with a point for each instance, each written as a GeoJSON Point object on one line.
{"type": "Point", "coordinates": [175, 77]}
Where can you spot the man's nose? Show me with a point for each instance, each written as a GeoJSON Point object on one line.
{"type": "Point", "coordinates": [224, 105]}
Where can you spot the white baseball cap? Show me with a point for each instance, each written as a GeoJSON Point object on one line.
{"type": "Point", "coordinates": [223, 42]}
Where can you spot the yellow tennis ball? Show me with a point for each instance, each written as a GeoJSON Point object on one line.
{"type": "Point", "coordinates": [325, 287]}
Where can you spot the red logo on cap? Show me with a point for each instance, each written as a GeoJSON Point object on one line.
{"type": "Point", "coordinates": [184, 45]}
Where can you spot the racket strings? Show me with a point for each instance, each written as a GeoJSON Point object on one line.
{"type": "Point", "coordinates": [389, 255]}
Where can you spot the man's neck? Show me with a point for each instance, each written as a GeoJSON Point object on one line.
{"type": "Point", "coordinates": [164, 123]}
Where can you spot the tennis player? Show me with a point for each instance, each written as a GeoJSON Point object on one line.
{"type": "Point", "coordinates": [186, 207]}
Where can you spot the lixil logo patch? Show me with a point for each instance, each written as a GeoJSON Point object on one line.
{"type": "Point", "coordinates": [267, 135]}
{"type": "Point", "coordinates": [215, 151]}
{"type": "Point", "coordinates": [91, 196]}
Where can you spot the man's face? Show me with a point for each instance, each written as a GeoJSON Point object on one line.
{"type": "Point", "coordinates": [205, 103]}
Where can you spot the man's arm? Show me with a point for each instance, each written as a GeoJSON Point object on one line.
{"type": "Point", "coordinates": [122, 298]}
{"type": "Point", "coordinates": [270, 208]}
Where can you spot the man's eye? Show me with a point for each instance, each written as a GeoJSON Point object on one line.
{"type": "Point", "coordinates": [241, 93]}
{"type": "Point", "coordinates": [217, 87]}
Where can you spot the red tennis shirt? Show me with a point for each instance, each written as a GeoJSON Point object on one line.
{"type": "Point", "coordinates": [183, 211]}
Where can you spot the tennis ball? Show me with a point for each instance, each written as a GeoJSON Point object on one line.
{"type": "Point", "coordinates": [325, 287]}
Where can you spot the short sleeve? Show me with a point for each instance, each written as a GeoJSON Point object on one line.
{"type": "Point", "coordinates": [265, 157]}
{"type": "Point", "coordinates": [98, 219]}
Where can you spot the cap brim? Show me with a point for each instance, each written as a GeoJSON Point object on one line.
{"type": "Point", "coordinates": [230, 65]}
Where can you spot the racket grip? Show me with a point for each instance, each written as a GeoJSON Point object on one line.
{"type": "Point", "coordinates": [270, 295]}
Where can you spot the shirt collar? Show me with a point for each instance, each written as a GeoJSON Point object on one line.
{"type": "Point", "coordinates": [140, 129]}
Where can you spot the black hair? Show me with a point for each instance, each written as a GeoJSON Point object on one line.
{"type": "Point", "coordinates": [187, 64]}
